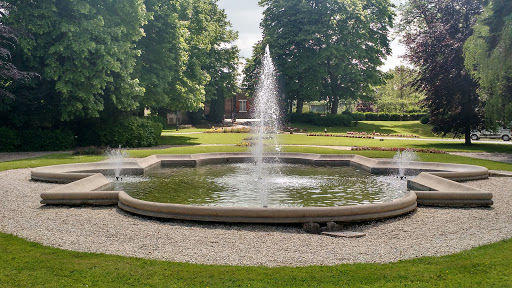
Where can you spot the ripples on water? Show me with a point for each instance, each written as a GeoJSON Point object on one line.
{"type": "Point", "coordinates": [293, 186]}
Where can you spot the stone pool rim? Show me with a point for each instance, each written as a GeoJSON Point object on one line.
{"type": "Point", "coordinates": [434, 186]}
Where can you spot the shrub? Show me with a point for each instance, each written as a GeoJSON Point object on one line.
{"type": "Point", "coordinates": [9, 140]}
{"type": "Point", "coordinates": [46, 140]}
{"type": "Point", "coordinates": [332, 120]}
{"type": "Point", "coordinates": [130, 132]}
{"type": "Point", "coordinates": [89, 150]}
{"type": "Point", "coordinates": [424, 120]}
{"type": "Point", "coordinates": [303, 117]}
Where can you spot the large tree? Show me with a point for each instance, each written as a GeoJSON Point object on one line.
{"type": "Point", "coordinates": [488, 56]}
{"type": "Point", "coordinates": [186, 57]}
{"type": "Point", "coordinates": [434, 32]}
{"type": "Point", "coordinates": [84, 51]}
{"type": "Point", "coordinates": [327, 49]}
{"type": "Point", "coordinates": [398, 95]}
{"type": "Point", "coordinates": [10, 75]}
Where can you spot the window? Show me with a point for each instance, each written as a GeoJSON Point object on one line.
{"type": "Point", "coordinates": [243, 106]}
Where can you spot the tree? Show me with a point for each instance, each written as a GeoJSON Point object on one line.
{"type": "Point", "coordinates": [327, 49]}
{"type": "Point", "coordinates": [84, 52]}
{"type": "Point", "coordinates": [398, 95]}
{"type": "Point", "coordinates": [488, 56]}
{"type": "Point", "coordinates": [186, 59]}
{"type": "Point", "coordinates": [434, 32]}
{"type": "Point", "coordinates": [10, 75]}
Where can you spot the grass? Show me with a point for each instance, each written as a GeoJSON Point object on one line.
{"type": "Point", "coordinates": [51, 159]}
{"type": "Point", "coordinates": [27, 264]}
{"type": "Point", "coordinates": [184, 130]}
{"type": "Point", "coordinates": [383, 127]}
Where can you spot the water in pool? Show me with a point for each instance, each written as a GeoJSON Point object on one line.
{"type": "Point", "coordinates": [235, 185]}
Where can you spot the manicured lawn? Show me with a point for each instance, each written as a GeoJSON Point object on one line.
{"type": "Point", "coordinates": [183, 130]}
{"type": "Point", "coordinates": [383, 127]}
{"type": "Point", "coordinates": [27, 264]}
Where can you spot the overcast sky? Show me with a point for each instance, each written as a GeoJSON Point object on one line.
{"type": "Point", "coordinates": [245, 17]}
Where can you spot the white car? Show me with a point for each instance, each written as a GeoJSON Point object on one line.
{"type": "Point", "coordinates": [503, 133]}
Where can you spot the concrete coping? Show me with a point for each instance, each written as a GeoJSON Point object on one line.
{"type": "Point", "coordinates": [87, 185]}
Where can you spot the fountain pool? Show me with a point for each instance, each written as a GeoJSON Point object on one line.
{"type": "Point", "coordinates": [233, 185]}
{"type": "Point", "coordinates": [434, 186]}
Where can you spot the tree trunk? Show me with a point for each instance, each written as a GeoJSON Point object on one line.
{"type": "Point", "coordinates": [334, 104]}
{"type": "Point", "coordinates": [467, 137]}
{"type": "Point", "coordinates": [300, 105]}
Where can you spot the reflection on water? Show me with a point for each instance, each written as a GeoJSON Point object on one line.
{"type": "Point", "coordinates": [294, 186]}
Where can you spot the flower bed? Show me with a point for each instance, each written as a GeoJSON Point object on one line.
{"type": "Point", "coordinates": [342, 135]}
{"type": "Point", "coordinates": [365, 148]}
{"type": "Point", "coordinates": [228, 130]}
{"type": "Point", "coordinates": [383, 134]}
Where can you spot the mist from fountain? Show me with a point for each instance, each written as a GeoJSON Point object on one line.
{"type": "Point", "coordinates": [266, 128]}
{"type": "Point", "coordinates": [402, 159]}
{"type": "Point", "coordinates": [116, 158]}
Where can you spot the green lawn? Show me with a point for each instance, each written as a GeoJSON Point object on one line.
{"type": "Point", "coordinates": [385, 127]}
{"type": "Point", "coordinates": [27, 264]}
{"type": "Point", "coordinates": [303, 139]}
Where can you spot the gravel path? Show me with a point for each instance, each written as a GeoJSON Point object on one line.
{"type": "Point", "coordinates": [427, 232]}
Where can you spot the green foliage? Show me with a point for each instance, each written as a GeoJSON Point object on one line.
{"type": "Point", "coordinates": [185, 60]}
{"type": "Point", "coordinates": [372, 116]}
{"type": "Point", "coordinates": [83, 51]}
{"type": "Point", "coordinates": [46, 140]}
{"type": "Point", "coordinates": [434, 33]}
{"type": "Point", "coordinates": [488, 56]}
{"type": "Point", "coordinates": [9, 139]}
{"type": "Point", "coordinates": [129, 132]}
{"type": "Point", "coordinates": [330, 120]}
{"type": "Point", "coordinates": [424, 120]}
{"type": "Point", "coordinates": [35, 140]}
{"type": "Point", "coordinates": [324, 49]}
{"type": "Point", "coordinates": [398, 95]}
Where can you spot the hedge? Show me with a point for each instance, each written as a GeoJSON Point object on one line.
{"type": "Point", "coordinates": [129, 132]}
{"type": "Point", "coordinates": [346, 118]}
{"type": "Point", "coordinates": [372, 116]}
{"type": "Point", "coordinates": [329, 120]}
{"type": "Point", "coordinates": [35, 140]}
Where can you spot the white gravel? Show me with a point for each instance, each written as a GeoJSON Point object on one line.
{"type": "Point", "coordinates": [427, 232]}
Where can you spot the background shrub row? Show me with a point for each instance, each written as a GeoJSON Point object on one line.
{"type": "Point", "coordinates": [328, 120]}
{"type": "Point", "coordinates": [129, 131]}
{"type": "Point", "coordinates": [346, 119]}
{"type": "Point", "coordinates": [35, 140]}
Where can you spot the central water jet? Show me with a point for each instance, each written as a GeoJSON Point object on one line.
{"type": "Point", "coordinates": [267, 113]}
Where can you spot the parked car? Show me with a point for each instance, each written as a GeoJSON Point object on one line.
{"type": "Point", "coordinates": [504, 133]}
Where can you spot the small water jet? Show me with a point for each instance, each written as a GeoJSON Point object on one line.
{"type": "Point", "coordinates": [402, 159]}
{"type": "Point", "coordinates": [266, 128]}
{"type": "Point", "coordinates": [116, 158]}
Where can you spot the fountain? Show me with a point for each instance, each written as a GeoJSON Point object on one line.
{"type": "Point", "coordinates": [88, 186]}
{"type": "Point", "coordinates": [116, 158]}
{"type": "Point", "coordinates": [402, 159]}
{"type": "Point", "coordinates": [267, 112]}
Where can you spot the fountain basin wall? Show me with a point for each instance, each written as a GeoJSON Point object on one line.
{"type": "Point", "coordinates": [431, 187]}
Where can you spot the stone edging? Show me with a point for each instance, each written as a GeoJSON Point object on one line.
{"type": "Point", "coordinates": [86, 185]}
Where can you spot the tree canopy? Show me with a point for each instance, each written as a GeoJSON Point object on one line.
{"type": "Point", "coordinates": [488, 56]}
{"type": "Point", "coordinates": [10, 75]}
{"type": "Point", "coordinates": [325, 49]}
{"type": "Point", "coordinates": [434, 32]}
{"type": "Point", "coordinates": [398, 95]}
{"type": "Point", "coordinates": [100, 58]}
